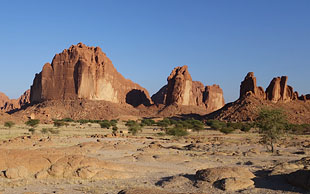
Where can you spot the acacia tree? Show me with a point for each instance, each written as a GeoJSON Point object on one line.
{"type": "Point", "coordinates": [272, 124]}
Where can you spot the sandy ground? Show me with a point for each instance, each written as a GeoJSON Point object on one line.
{"type": "Point", "coordinates": [143, 161]}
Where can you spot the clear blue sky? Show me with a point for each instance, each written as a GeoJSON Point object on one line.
{"type": "Point", "coordinates": [220, 40]}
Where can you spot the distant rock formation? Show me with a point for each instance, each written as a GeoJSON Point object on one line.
{"type": "Point", "coordinates": [7, 104]}
{"type": "Point", "coordinates": [3, 99]}
{"type": "Point", "coordinates": [248, 87]}
{"type": "Point", "coordinates": [278, 90]}
{"type": "Point", "coordinates": [83, 72]}
{"type": "Point", "coordinates": [252, 98]}
{"type": "Point", "coordinates": [181, 90]}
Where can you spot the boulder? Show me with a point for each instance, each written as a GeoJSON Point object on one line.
{"type": "Point", "coordinates": [218, 173]}
{"type": "Point", "coordinates": [182, 90]}
{"type": "Point", "coordinates": [235, 184]}
{"type": "Point", "coordinates": [83, 72]}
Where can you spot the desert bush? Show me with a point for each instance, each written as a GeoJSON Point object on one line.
{"type": "Point", "coordinates": [130, 123]}
{"type": "Point", "coordinates": [32, 130]}
{"type": "Point", "coordinates": [227, 130]}
{"type": "Point", "coordinates": [67, 120]}
{"type": "Point", "coordinates": [135, 128]}
{"type": "Point", "coordinates": [163, 123]}
{"type": "Point", "coordinates": [246, 127]}
{"type": "Point", "coordinates": [196, 125]}
{"type": "Point", "coordinates": [216, 124]}
{"type": "Point", "coordinates": [9, 124]}
{"type": "Point", "coordinates": [114, 129]}
{"type": "Point", "coordinates": [59, 123]}
{"type": "Point", "coordinates": [298, 129]}
{"type": "Point", "coordinates": [83, 121]}
{"type": "Point", "coordinates": [49, 130]}
{"type": "Point", "coordinates": [175, 131]}
{"type": "Point", "coordinates": [44, 130]}
{"type": "Point", "coordinates": [272, 124]}
{"type": "Point", "coordinates": [105, 124]}
{"type": "Point", "coordinates": [148, 122]}
{"type": "Point", "coordinates": [113, 122]}
{"type": "Point", "coordinates": [33, 122]}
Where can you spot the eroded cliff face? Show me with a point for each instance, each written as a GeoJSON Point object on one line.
{"type": "Point", "coordinates": [83, 72]}
{"type": "Point", "coordinates": [213, 98]}
{"type": "Point", "coordinates": [181, 90]}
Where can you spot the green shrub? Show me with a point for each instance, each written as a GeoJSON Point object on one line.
{"type": "Point", "coordinates": [113, 122]}
{"type": "Point", "coordinates": [216, 124]}
{"type": "Point", "coordinates": [50, 130]}
{"type": "Point", "coordinates": [148, 122]}
{"type": "Point", "coordinates": [67, 120]}
{"type": "Point", "coordinates": [135, 128]}
{"type": "Point", "coordinates": [227, 130]}
{"type": "Point", "coordinates": [272, 124]}
{"type": "Point", "coordinates": [9, 124]}
{"type": "Point", "coordinates": [298, 129]}
{"type": "Point", "coordinates": [32, 130]}
{"type": "Point", "coordinates": [114, 129]}
{"type": "Point", "coordinates": [105, 124]}
{"type": "Point", "coordinates": [246, 127]}
{"type": "Point", "coordinates": [175, 131]}
{"type": "Point", "coordinates": [53, 131]}
{"type": "Point", "coordinates": [33, 122]}
{"type": "Point", "coordinates": [130, 123]}
{"type": "Point", "coordinates": [44, 130]}
{"type": "Point", "coordinates": [83, 121]}
{"type": "Point", "coordinates": [59, 123]}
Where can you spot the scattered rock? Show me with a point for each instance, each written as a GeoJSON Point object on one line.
{"type": "Point", "coordinates": [235, 184]}
{"type": "Point", "coordinates": [219, 173]}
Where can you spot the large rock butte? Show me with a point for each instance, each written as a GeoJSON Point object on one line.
{"type": "Point", "coordinates": [83, 72]}
{"type": "Point", "coordinates": [181, 90]}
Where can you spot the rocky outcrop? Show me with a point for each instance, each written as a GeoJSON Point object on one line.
{"type": "Point", "coordinates": [248, 87]}
{"type": "Point", "coordinates": [278, 90]}
{"type": "Point", "coordinates": [181, 90]}
{"type": "Point", "coordinates": [15, 104]}
{"type": "Point", "coordinates": [3, 99]}
{"type": "Point", "coordinates": [83, 72]}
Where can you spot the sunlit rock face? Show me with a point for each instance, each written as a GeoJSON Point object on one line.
{"type": "Point", "coordinates": [181, 90]}
{"type": "Point", "coordinates": [8, 105]}
{"type": "Point", "coordinates": [277, 91]}
{"type": "Point", "coordinates": [86, 73]}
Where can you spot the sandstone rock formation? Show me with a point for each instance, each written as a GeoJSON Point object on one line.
{"type": "Point", "coordinates": [181, 90]}
{"type": "Point", "coordinates": [3, 99]}
{"type": "Point", "coordinates": [213, 98]}
{"type": "Point", "coordinates": [83, 72]}
{"type": "Point", "coordinates": [15, 104]}
{"type": "Point", "coordinates": [248, 87]}
{"type": "Point", "coordinates": [278, 90]}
